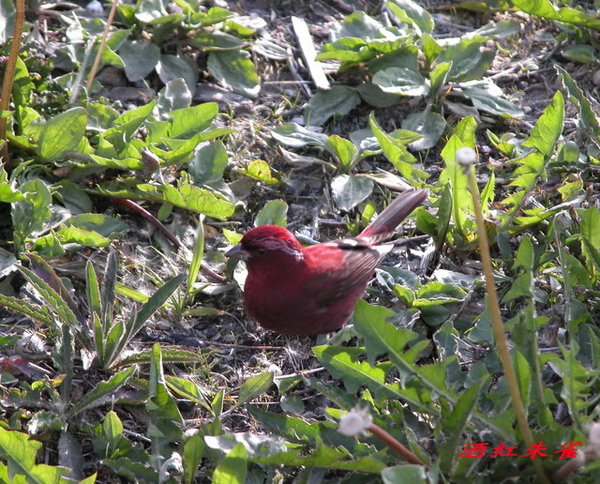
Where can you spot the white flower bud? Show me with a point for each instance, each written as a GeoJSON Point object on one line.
{"type": "Point", "coordinates": [355, 422]}
{"type": "Point", "coordinates": [466, 156]}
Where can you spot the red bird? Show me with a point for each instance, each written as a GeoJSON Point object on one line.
{"type": "Point", "coordinates": [296, 290]}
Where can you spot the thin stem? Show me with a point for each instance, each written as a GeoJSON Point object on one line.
{"type": "Point", "coordinates": [9, 75]}
{"type": "Point", "coordinates": [96, 63]}
{"type": "Point", "coordinates": [393, 444]}
{"type": "Point", "coordinates": [498, 326]}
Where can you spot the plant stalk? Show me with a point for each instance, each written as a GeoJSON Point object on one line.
{"type": "Point", "coordinates": [498, 326]}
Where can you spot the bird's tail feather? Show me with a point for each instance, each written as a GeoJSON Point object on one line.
{"type": "Point", "coordinates": [383, 226]}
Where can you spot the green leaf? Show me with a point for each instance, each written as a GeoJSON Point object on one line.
{"type": "Point", "coordinates": [19, 453]}
{"type": "Point", "coordinates": [165, 419]}
{"type": "Point", "coordinates": [75, 235]}
{"type": "Point", "coordinates": [171, 67]}
{"type": "Point", "coordinates": [588, 120]}
{"type": "Point", "coordinates": [396, 152]}
{"type": "Point", "coordinates": [469, 60]}
{"type": "Point", "coordinates": [154, 303]}
{"type": "Point", "coordinates": [487, 96]}
{"type": "Point", "coordinates": [428, 124]}
{"type": "Point", "coordinates": [544, 8]}
{"type": "Point", "coordinates": [185, 196]}
{"type": "Point", "coordinates": [403, 474]}
{"type": "Point", "coordinates": [62, 134]}
{"type": "Point", "coordinates": [194, 449]}
{"type": "Point", "coordinates": [98, 395]}
{"type": "Point", "coordinates": [31, 212]}
{"type": "Point", "coordinates": [462, 203]}
{"type": "Point", "coordinates": [140, 58]}
{"type": "Point", "coordinates": [344, 150]}
{"type": "Point", "coordinates": [401, 81]}
{"type": "Point", "coordinates": [273, 213]}
{"type": "Point", "coordinates": [296, 136]}
{"type": "Point", "coordinates": [254, 386]}
{"type": "Point", "coordinates": [97, 222]}
{"type": "Point", "coordinates": [348, 190]}
{"type": "Point", "coordinates": [339, 100]}
{"type": "Point", "coordinates": [208, 163]}
{"type": "Point", "coordinates": [261, 171]}
{"type": "Point", "coordinates": [454, 423]}
{"type": "Point", "coordinates": [235, 70]}
{"type": "Point", "coordinates": [548, 127]}
{"type": "Point", "coordinates": [37, 313]}
{"type": "Point", "coordinates": [411, 13]}
{"type": "Point", "coordinates": [197, 253]}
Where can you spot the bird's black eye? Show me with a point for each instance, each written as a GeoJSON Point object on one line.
{"type": "Point", "coordinates": [261, 251]}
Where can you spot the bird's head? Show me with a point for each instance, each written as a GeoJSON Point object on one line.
{"type": "Point", "coordinates": [268, 245]}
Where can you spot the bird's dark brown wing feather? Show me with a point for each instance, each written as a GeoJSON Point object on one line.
{"type": "Point", "coordinates": [343, 270]}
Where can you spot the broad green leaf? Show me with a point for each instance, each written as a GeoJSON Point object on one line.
{"type": "Point", "coordinates": [113, 431]}
{"type": "Point", "coordinates": [339, 100]}
{"type": "Point", "coordinates": [401, 81]}
{"type": "Point", "coordinates": [185, 196]}
{"type": "Point", "coordinates": [174, 96]}
{"type": "Point", "coordinates": [255, 386]}
{"type": "Point", "coordinates": [261, 171]}
{"type": "Point", "coordinates": [583, 54]}
{"type": "Point", "coordinates": [430, 125]}
{"type": "Point", "coordinates": [359, 25]}
{"type": "Point", "coordinates": [62, 134]}
{"type": "Point", "coordinates": [487, 96]}
{"type": "Point", "coordinates": [412, 13]}
{"type": "Point", "coordinates": [349, 190]}
{"type": "Point", "coordinates": [375, 96]}
{"type": "Point", "coordinates": [140, 58]}
{"type": "Point", "coordinates": [439, 76]}
{"type": "Point", "coordinates": [273, 213]}
{"type": "Point", "coordinates": [31, 212]}
{"type": "Point", "coordinates": [546, 9]}
{"type": "Point", "coordinates": [76, 235]}
{"type": "Point", "coordinates": [97, 222]}
{"type": "Point", "coordinates": [171, 67]}
{"type": "Point", "coordinates": [235, 70]}
{"type": "Point", "coordinates": [404, 473]}
{"type": "Point", "coordinates": [470, 60]}
{"type": "Point", "coordinates": [189, 121]}
{"type": "Point", "coordinates": [344, 150]}
{"type": "Point", "coordinates": [208, 163]}
{"type": "Point", "coordinates": [19, 453]}
{"type": "Point", "coordinates": [296, 136]}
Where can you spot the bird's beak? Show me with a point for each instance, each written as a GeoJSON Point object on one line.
{"type": "Point", "coordinates": [236, 251]}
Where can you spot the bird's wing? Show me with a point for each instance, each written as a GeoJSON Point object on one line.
{"type": "Point", "coordinates": [340, 268]}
